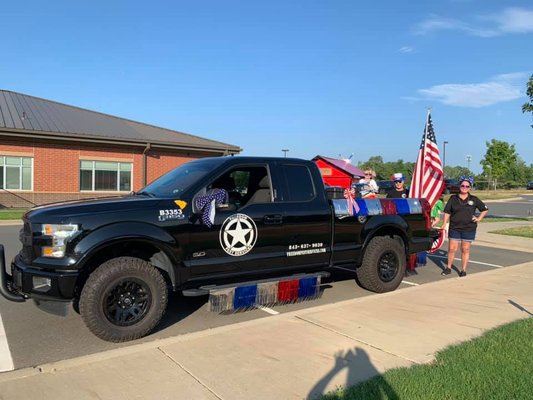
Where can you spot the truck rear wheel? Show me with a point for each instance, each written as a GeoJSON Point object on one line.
{"type": "Point", "coordinates": [123, 299]}
{"type": "Point", "coordinates": [383, 266]}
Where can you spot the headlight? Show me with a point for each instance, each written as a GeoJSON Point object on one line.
{"type": "Point", "coordinates": [60, 235]}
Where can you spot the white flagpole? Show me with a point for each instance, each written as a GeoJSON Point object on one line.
{"type": "Point", "coordinates": [423, 165]}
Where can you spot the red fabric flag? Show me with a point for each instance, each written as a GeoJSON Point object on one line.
{"type": "Point", "coordinates": [428, 176]}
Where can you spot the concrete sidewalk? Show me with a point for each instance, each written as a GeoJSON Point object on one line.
{"type": "Point", "coordinates": [295, 355]}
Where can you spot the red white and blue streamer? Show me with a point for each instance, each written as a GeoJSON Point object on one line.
{"type": "Point", "coordinates": [369, 207]}
{"type": "Point", "coordinates": [265, 293]}
{"type": "Point", "coordinates": [351, 204]}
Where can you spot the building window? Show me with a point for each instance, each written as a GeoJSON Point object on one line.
{"type": "Point", "coordinates": [106, 176]}
{"type": "Point", "coordinates": [16, 173]}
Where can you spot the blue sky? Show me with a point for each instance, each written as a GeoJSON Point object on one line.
{"type": "Point", "coordinates": [326, 77]}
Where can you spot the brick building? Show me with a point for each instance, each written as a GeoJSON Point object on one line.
{"type": "Point", "coordinates": [52, 152]}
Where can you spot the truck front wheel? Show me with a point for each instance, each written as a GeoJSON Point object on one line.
{"type": "Point", "coordinates": [383, 266]}
{"type": "Point", "coordinates": [123, 299]}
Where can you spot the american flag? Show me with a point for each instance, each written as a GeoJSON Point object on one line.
{"type": "Point", "coordinates": [428, 176]}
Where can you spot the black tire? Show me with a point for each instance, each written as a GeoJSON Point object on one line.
{"type": "Point", "coordinates": [383, 266]}
{"type": "Point", "coordinates": [123, 299]}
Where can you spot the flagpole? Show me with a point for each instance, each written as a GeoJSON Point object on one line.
{"type": "Point", "coordinates": [424, 150]}
{"type": "Point", "coordinates": [427, 179]}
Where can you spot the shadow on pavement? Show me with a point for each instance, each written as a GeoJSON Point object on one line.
{"type": "Point", "coordinates": [520, 307]}
{"type": "Point", "coordinates": [179, 308]}
{"type": "Point", "coordinates": [359, 368]}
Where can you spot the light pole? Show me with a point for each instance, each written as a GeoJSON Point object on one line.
{"type": "Point", "coordinates": [285, 151]}
{"type": "Point", "coordinates": [444, 157]}
{"type": "Point", "coordinates": [468, 159]}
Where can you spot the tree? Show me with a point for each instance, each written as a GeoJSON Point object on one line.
{"type": "Point", "coordinates": [517, 175]}
{"type": "Point", "coordinates": [528, 106]}
{"type": "Point", "coordinates": [375, 163]}
{"type": "Point", "coordinates": [384, 170]}
{"type": "Point", "coordinates": [457, 171]}
{"type": "Point", "coordinates": [501, 161]}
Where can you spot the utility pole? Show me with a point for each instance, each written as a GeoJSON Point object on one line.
{"type": "Point", "coordinates": [468, 159]}
{"type": "Point", "coordinates": [285, 151]}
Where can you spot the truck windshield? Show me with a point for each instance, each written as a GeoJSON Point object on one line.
{"type": "Point", "coordinates": [180, 179]}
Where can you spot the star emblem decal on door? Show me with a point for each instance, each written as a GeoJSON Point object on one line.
{"type": "Point", "coordinates": [238, 234]}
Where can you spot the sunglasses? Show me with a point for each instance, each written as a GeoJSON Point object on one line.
{"type": "Point", "coordinates": [367, 174]}
{"type": "Point", "coordinates": [465, 186]}
{"type": "Point", "coordinates": [398, 182]}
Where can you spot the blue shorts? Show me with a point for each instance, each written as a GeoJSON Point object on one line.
{"type": "Point", "coordinates": [468, 236]}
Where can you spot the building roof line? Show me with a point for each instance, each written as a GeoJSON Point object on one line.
{"type": "Point", "coordinates": [140, 143]}
{"type": "Point", "coordinates": [77, 123]}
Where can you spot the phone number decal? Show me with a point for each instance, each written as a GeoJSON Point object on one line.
{"type": "Point", "coordinates": [305, 246]}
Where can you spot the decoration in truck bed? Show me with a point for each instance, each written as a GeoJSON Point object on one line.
{"type": "Point", "coordinates": [368, 207]}
{"type": "Point", "coordinates": [363, 191]}
{"type": "Point", "coordinates": [351, 204]}
{"type": "Point", "coordinates": [437, 243]}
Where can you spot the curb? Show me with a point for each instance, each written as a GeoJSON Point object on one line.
{"type": "Point", "coordinates": [9, 222]}
{"type": "Point", "coordinates": [502, 200]}
{"type": "Point", "coordinates": [500, 245]}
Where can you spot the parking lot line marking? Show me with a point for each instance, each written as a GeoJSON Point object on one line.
{"type": "Point", "coordinates": [268, 310]}
{"type": "Point", "coordinates": [473, 262]}
{"type": "Point", "coordinates": [6, 362]}
{"type": "Point", "coordinates": [410, 283]}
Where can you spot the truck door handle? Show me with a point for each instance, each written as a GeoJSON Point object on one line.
{"type": "Point", "coordinates": [273, 219]}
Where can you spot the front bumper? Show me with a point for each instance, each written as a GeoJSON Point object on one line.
{"type": "Point", "coordinates": [6, 282]}
{"type": "Point", "coordinates": [27, 282]}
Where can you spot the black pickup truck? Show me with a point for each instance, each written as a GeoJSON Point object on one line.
{"type": "Point", "coordinates": [209, 223]}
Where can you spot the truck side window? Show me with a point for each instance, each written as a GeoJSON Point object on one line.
{"type": "Point", "coordinates": [299, 183]}
{"type": "Point", "coordinates": [244, 185]}
{"type": "Point", "coordinates": [227, 182]}
{"type": "Point", "coordinates": [262, 194]}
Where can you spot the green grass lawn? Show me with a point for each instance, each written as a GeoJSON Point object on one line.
{"type": "Point", "coordinates": [497, 365]}
{"type": "Point", "coordinates": [11, 213]}
{"type": "Point", "coordinates": [495, 195]}
{"type": "Point", "coordinates": [499, 194]}
{"type": "Point", "coordinates": [523, 231]}
{"type": "Point", "coordinates": [497, 219]}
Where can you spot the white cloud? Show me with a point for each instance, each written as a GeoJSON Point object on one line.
{"type": "Point", "coordinates": [500, 88]}
{"type": "Point", "coordinates": [514, 20]}
{"type": "Point", "coordinates": [436, 23]}
{"type": "Point", "coordinates": [406, 49]}
{"type": "Point", "coordinates": [509, 21]}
